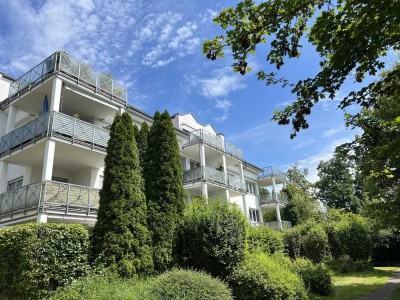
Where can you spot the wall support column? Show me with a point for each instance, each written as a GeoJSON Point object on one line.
{"type": "Point", "coordinates": [56, 95]}
{"type": "Point", "coordinates": [27, 176]}
{"type": "Point", "coordinates": [41, 217]}
{"type": "Point", "coordinates": [275, 197]}
{"type": "Point", "coordinates": [12, 113]}
{"type": "Point", "coordinates": [48, 161]}
{"type": "Point", "coordinates": [3, 176]}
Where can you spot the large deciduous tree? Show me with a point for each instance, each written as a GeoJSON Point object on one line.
{"type": "Point", "coordinates": [164, 188]}
{"type": "Point", "coordinates": [350, 36]}
{"type": "Point", "coordinates": [121, 239]}
{"type": "Point", "coordinates": [336, 184]}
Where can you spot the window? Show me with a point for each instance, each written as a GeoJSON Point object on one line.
{"type": "Point", "coordinates": [59, 179]}
{"type": "Point", "coordinates": [194, 164]}
{"type": "Point", "coordinates": [254, 215]}
{"type": "Point", "coordinates": [14, 184]}
{"type": "Point", "coordinates": [251, 187]}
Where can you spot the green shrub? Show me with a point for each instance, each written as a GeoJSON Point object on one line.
{"type": "Point", "coordinates": [292, 241]}
{"type": "Point", "coordinates": [263, 277]}
{"type": "Point", "coordinates": [264, 239]}
{"type": "Point", "coordinates": [354, 237]}
{"type": "Point", "coordinates": [345, 264]}
{"type": "Point", "coordinates": [386, 247]}
{"type": "Point", "coordinates": [38, 258]}
{"type": "Point", "coordinates": [105, 286]}
{"type": "Point", "coordinates": [316, 277]}
{"type": "Point", "coordinates": [211, 237]}
{"type": "Point", "coordinates": [333, 239]}
{"type": "Point", "coordinates": [187, 284]}
{"type": "Point", "coordinates": [315, 244]}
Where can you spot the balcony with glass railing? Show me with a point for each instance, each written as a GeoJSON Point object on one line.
{"type": "Point", "coordinates": [213, 176]}
{"type": "Point", "coordinates": [275, 225]}
{"type": "Point", "coordinates": [272, 172]}
{"type": "Point", "coordinates": [55, 124]}
{"type": "Point", "coordinates": [45, 196]}
{"type": "Point", "coordinates": [272, 198]}
{"type": "Point", "coordinates": [63, 65]}
{"type": "Point", "coordinates": [214, 141]}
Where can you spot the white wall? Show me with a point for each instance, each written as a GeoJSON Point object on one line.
{"type": "Point", "coordinates": [4, 87]}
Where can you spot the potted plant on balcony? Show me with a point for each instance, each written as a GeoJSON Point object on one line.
{"type": "Point", "coordinates": [220, 167]}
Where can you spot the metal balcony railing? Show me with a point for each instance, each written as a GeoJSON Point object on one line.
{"type": "Point", "coordinates": [61, 64]}
{"type": "Point", "coordinates": [272, 171]}
{"type": "Point", "coordinates": [58, 125]}
{"type": "Point", "coordinates": [215, 141]}
{"type": "Point", "coordinates": [214, 176]}
{"type": "Point", "coordinates": [275, 225]}
{"type": "Point", "coordinates": [50, 195]}
{"type": "Point", "coordinates": [272, 198]}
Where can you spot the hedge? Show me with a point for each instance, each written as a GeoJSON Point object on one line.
{"type": "Point", "coordinates": [187, 284]}
{"type": "Point", "coordinates": [386, 247]}
{"type": "Point", "coordinates": [265, 239]}
{"type": "Point", "coordinates": [263, 277]}
{"type": "Point", "coordinates": [211, 237]}
{"type": "Point", "coordinates": [38, 258]}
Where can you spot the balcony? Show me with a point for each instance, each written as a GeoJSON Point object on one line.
{"type": "Point", "coordinates": [275, 225]}
{"type": "Point", "coordinates": [55, 124]}
{"type": "Point", "coordinates": [46, 196]}
{"type": "Point", "coordinates": [213, 176]}
{"type": "Point", "coordinates": [214, 141]}
{"type": "Point", "coordinates": [265, 177]}
{"type": "Point", "coordinates": [61, 64]}
{"type": "Point", "coordinates": [272, 198]}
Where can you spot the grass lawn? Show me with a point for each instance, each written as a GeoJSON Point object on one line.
{"type": "Point", "coordinates": [352, 285]}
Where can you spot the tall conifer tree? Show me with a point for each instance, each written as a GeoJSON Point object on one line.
{"type": "Point", "coordinates": [121, 239]}
{"type": "Point", "coordinates": [164, 188]}
{"type": "Point", "coordinates": [142, 142]}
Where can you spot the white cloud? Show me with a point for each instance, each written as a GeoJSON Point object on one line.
{"type": "Point", "coordinates": [303, 144]}
{"type": "Point", "coordinates": [312, 161]}
{"type": "Point", "coordinates": [223, 105]}
{"type": "Point", "coordinates": [330, 132]}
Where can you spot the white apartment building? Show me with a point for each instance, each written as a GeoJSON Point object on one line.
{"type": "Point", "coordinates": [54, 129]}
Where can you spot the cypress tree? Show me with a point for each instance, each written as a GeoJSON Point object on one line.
{"type": "Point", "coordinates": [121, 239]}
{"type": "Point", "coordinates": [164, 188]}
{"type": "Point", "coordinates": [142, 143]}
{"type": "Point", "coordinates": [136, 132]}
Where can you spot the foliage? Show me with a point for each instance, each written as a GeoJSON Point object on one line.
{"type": "Point", "coordinates": [142, 143]}
{"type": "Point", "coordinates": [336, 184]}
{"type": "Point", "coordinates": [344, 264]}
{"type": "Point", "coordinates": [354, 237]}
{"type": "Point", "coordinates": [106, 286]}
{"type": "Point", "coordinates": [316, 277]}
{"type": "Point", "coordinates": [315, 244]}
{"type": "Point", "coordinates": [376, 153]}
{"type": "Point", "coordinates": [350, 37]}
{"type": "Point", "coordinates": [265, 239]}
{"type": "Point", "coordinates": [38, 258]}
{"type": "Point", "coordinates": [301, 205]}
{"type": "Point", "coordinates": [292, 240]}
{"type": "Point", "coordinates": [120, 238]}
{"type": "Point", "coordinates": [187, 284]}
{"type": "Point", "coordinates": [211, 237]}
{"type": "Point", "coordinates": [164, 188]}
{"type": "Point", "coordinates": [270, 215]}
{"type": "Point", "coordinates": [262, 277]}
{"type": "Point", "coordinates": [386, 247]}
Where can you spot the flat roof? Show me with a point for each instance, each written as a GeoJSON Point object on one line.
{"type": "Point", "coordinates": [7, 76]}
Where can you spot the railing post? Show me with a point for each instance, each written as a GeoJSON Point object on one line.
{"type": "Point", "coordinates": [12, 205]}
{"type": "Point", "coordinates": [73, 132]}
{"type": "Point", "coordinates": [93, 135]}
{"type": "Point", "coordinates": [68, 195]}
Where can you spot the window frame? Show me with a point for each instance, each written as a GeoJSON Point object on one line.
{"type": "Point", "coordinates": [13, 182]}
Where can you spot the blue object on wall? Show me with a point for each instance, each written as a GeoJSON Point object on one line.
{"type": "Point", "coordinates": [45, 104]}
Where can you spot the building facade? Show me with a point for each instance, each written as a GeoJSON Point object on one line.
{"type": "Point", "coordinates": [54, 129]}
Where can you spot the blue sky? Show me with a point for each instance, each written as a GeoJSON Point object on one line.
{"type": "Point", "coordinates": [154, 48]}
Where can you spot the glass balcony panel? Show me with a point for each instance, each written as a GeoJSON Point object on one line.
{"type": "Point", "coordinates": [272, 171]}
{"type": "Point", "coordinates": [63, 197]}
{"type": "Point", "coordinates": [233, 150]}
{"type": "Point", "coordinates": [214, 175]}
{"type": "Point", "coordinates": [236, 183]}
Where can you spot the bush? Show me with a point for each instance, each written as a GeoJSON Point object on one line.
{"type": "Point", "coordinates": [105, 286]}
{"type": "Point", "coordinates": [211, 237]}
{"type": "Point", "coordinates": [292, 241]}
{"type": "Point", "coordinates": [265, 239]}
{"type": "Point", "coordinates": [386, 247]}
{"type": "Point", "coordinates": [187, 284]}
{"type": "Point", "coordinates": [345, 264]}
{"type": "Point", "coordinates": [263, 277]}
{"type": "Point", "coordinates": [315, 244]}
{"type": "Point", "coordinates": [38, 258]}
{"type": "Point", "coordinates": [316, 277]}
{"type": "Point", "coordinates": [354, 237]}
